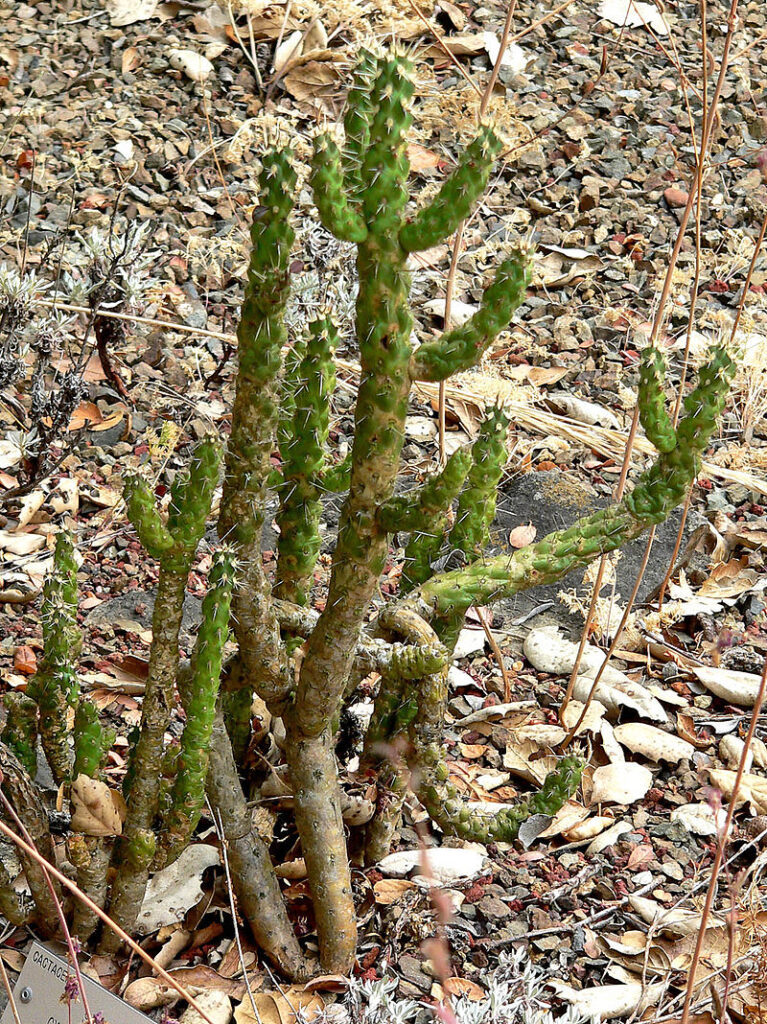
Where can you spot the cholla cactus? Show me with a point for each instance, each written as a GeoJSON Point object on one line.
{"type": "Point", "coordinates": [303, 664]}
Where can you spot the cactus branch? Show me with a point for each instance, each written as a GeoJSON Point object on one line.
{"type": "Point", "coordinates": [658, 490]}
{"type": "Point", "coordinates": [412, 510]}
{"type": "Point", "coordinates": [463, 347]}
{"type": "Point", "coordinates": [651, 400]}
{"type": "Point", "coordinates": [20, 729]}
{"type": "Point", "coordinates": [255, 884]}
{"type": "Point", "coordinates": [303, 459]}
{"type": "Point", "coordinates": [454, 201]}
{"type": "Point", "coordinates": [330, 197]}
{"type": "Point", "coordinates": [255, 424]}
{"type": "Point", "coordinates": [199, 699]}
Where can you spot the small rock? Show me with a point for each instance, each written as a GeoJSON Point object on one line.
{"type": "Point", "coordinates": [675, 197]}
{"type": "Point", "coordinates": [490, 908]}
{"type": "Point", "coordinates": [446, 866]}
{"type": "Point", "coordinates": [412, 971]}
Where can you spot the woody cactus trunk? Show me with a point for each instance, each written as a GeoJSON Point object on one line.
{"type": "Point", "coordinates": [300, 665]}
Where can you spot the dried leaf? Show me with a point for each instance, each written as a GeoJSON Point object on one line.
{"type": "Point", "coordinates": [314, 79]}
{"type": "Point", "coordinates": [752, 789]}
{"type": "Point", "coordinates": [20, 543]}
{"type": "Point", "coordinates": [289, 50]}
{"type": "Point", "coordinates": [464, 987]}
{"type": "Point", "coordinates": [422, 159]}
{"type": "Point", "coordinates": [633, 14]}
{"type": "Point", "coordinates": [95, 812]}
{"type": "Point", "coordinates": [521, 536]}
{"type": "Point", "coordinates": [653, 743]}
{"type": "Point", "coordinates": [174, 890]}
{"type": "Point", "coordinates": [620, 783]}
{"type": "Point", "coordinates": [147, 994]}
{"type": "Point", "coordinates": [736, 687]}
{"type": "Point", "coordinates": [290, 1006]}
{"type": "Point", "coordinates": [25, 660]}
{"type": "Point", "coordinates": [389, 890]}
{"type": "Point", "coordinates": [127, 12]}
{"type": "Point", "coordinates": [603, 1002]}
{"type": "Point", "coordinates": [216, 1006]}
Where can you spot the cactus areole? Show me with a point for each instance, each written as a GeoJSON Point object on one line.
{"type": "Point", "coordinates": [302, 666]}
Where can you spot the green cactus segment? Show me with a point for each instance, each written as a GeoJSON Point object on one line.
{"type": "Point", "coordinates": [237, 717]}
{"type": "Point", "coordinates": [359, 112]}
{"type": "Point", "coordinates": [201, 692]}
{"type": "Point", "coordinates": [411, 511]}
{"type": "Point", "coordinates": [54, 686]}
{"type": "Point", "coordinates": [190, 499]}
{"type": "Point", "coordinates": [463, 347]}
{"type": "Point", "coordinates": [92, 741]}
{"type": "Point", "coordinates": [705, 403]}
{"type": "Point", "coordinates": [454, 201]}
{"type": "Point", "coordinates": [143, 513]}
{"type": "Point", "coordinates": [447, 809]}
{"type": "Point", "coordinates": [665, 484]}
{"type": "Point", "coordinates": [422, 550]}
{"type": "Point", "coordinates": [261, 337]}
{"type": "Point", "coordinates": [333, 206]}
{"type": "Point", "coordinates": [413, 661]}
{"type": "Point", "coordinates": [657, 492]}
{"type": "Point", "coordinates": [302, 466]}
{"type": "Point", "coordinates": [651, 399]}
{"type": "Point", "coordinates": [20, 729]}
{"type": "Point", "coordinates": [336, 479]}
{"type": "Point", "coordinates": [140, 850]}
{"type": "Point", "coordinates": [476, 504]}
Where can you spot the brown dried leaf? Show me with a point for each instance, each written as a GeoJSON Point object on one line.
{"type": "Point", "coordinates": [464, 987]}
{"type": "Point", "coordinates": [281, 1007]}
{"type": "Point", "coordinates": [95, 808]}
{"type": "Point", "coordinates": [389, 890]}
{"type": "Point", "coordinates": [312, 80]}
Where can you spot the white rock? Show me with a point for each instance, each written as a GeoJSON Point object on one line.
{"type": "Point", "coordinates": [699, 818]}
{"type": "Point", "coordinates": [446, 865]}
{"type": "Point", "coordinates": [470, 641]}
{"type": "Point", "coordinates": [193, 64]}
{"type": "Point", "coordinates": [421, 428]}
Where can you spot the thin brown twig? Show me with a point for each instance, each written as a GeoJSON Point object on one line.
{"type": "Point", "coordinates": [445, 49]}
{"type": "Point", "coordinates": [498, 654]}
{"type": "Point", "coordinates": [692, 196]}
{"type": "Point", "coordinates": [9, 992]}
{"type": "Point", "coordinates": [613, 645]}
{"type": "Point", "coordinates": [59, 909]}
{"type": "Point", "coordinates": [105, 918]}
{"type": "Point", "coordinates": [722, 840]}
